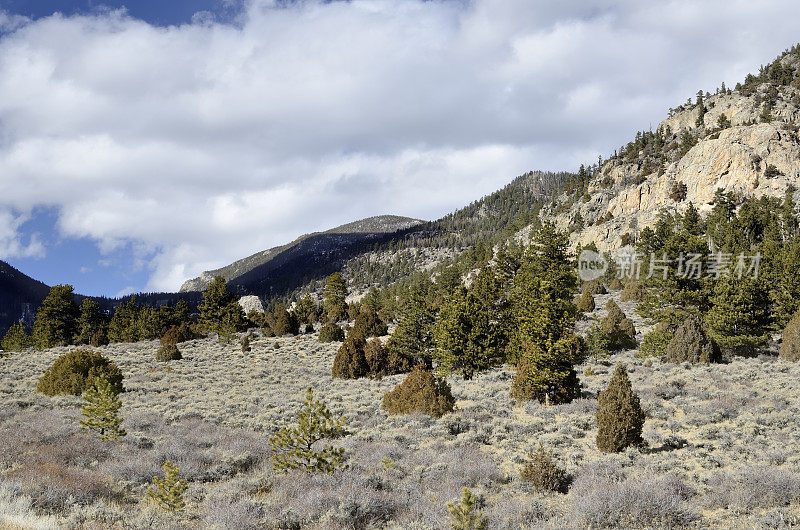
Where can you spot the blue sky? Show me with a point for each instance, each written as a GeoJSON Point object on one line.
{"type": "Point", "coordinates": [158, 12]}
{"type": "Point", "coordinates": [140, 147]}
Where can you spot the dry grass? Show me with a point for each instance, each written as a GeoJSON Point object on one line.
{"type": "Point", "coordinates": [722, 446]}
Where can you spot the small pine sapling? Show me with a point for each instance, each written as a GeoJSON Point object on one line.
{"type": "Point", "coordinates": [168, 492]}
{"type": "Point", "coordinates": [293, 447]}
{"type": "Point", "coordinates": [465, 516]}
{"type": "Point", "coordinates": [101, 410]}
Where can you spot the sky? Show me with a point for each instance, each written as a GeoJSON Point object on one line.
{"type": "Point", "coordinates": [143, 142]}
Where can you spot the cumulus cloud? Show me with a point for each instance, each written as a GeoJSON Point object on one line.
{"type": "Point", "coordinates": [204, 142]}
{"type": "Point", "coordinates": [11, 242]}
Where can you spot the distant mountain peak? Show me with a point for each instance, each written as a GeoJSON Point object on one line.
{"type": "Point", "coordinates": [334, 242]}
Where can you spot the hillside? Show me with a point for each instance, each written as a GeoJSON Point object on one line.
{"type": "Point", "coordinates": [20, 295]}
{"type": "Point", "coordinates": [742, 140]}
{"type": "Point", "coordinates": [274, 269]}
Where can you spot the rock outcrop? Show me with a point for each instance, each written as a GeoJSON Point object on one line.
{"type": "Point", "coordinates": [251, 304]}
{"type": "Point", "coordinates": [739, 148]}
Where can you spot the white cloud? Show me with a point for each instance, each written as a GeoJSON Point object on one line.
{"type": "Point", "coordinates": [11, 243]}
{"type": "Point", "coordinates": [205, 142]}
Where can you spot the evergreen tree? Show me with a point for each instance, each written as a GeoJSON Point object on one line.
{"type": "Point", "coordinates": [547, 375]}
{"type": "Point", "coordinates": [739, 315]}
{"type": "Point", "coordinates": [284, 322]}
{"type": "Point", "coordinates": [90, 321]}
{"type": "Point", "coordinates": [101, 409]}
{"type": "Point", "coordinates": [168, 492]}
{"type": "Point", "coordinates": [543, 292]}
{"type": "Point", "coordinates": [123, 325]}
{"type": "Point", "coordinates": [351, 361]}
{"type": "Point", "coordinates": [333, 298]}
{"type": "Point", "coordinates": [16, 338]}
{"type": "Point", "coordinates": [412, 339]}
{"type": "Point", "coordinates": [293, 447]}
{"type": "Point", "coordinates": [464, 516]}
{"type": "Point", "coordinates": [181, 314]}
{"type": "Point", "coordinates": [466, 339]}
{"type": "Point", "coordinates": [220, 312]}
{"type": "Point", "coordinates": [619, 415]}
{"type": "Point", "coordinates": [56, 318]}
{"type": "Point", "coordinates": [306, 310]}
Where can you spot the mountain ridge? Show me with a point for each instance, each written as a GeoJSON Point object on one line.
{"type": "Point", "coordinates": [362, 229]}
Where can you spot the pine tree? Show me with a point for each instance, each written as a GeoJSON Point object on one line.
{"type": "Point", "coordinates": [543, 291]}
{"type": "Point", "coordinates": [122, 327]}
{"type": "Point", "coordinates": [464, 516]}
{"type": "Point", "coordinates": [333, 298]}
{"type": "Point", "coordinates": [220, 312]}
{"type": "Point", "coordinates": [293, 447]}
{"type": "Point", "coordinates": [90, 321]}
{"type": "Point", "coordinates": [101, 409]}
{"type": "Point", "coordinates": [619, 415]}
{"type": "Point", "coordinates": [739, 315]}
{"type": "Point", "coordinates": [16, 338]}
{"type": "Point", "coordinates": [466, 339]}
{"type": "Point", "coordinates": [168, 492]}
{"type": "Point", "coordinates": [56, 318]}
{"type": "Point", "coordinates": [412, 340]}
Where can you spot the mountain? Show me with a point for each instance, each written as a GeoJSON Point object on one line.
{"type": "Point", "coordinates": [20, 295]}
{"type": "Point", "coordinates": [308, 257]}
{"type": "Point", "coordinates": [742, 140]}
{"type": "Point", "coordinates": [379, 250]}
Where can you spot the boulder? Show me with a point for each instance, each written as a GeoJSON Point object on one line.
{"type": "Point", "coordinates": [251, 304]}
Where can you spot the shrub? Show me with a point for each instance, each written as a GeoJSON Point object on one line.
{"type": "Point", "coordinates": [331, 333]}
{"type": "Point", "coordinates": [547, 376]}
{"type": "Point", "coordinates": [544, 474]}
{"type": "Point", "coordinates": [168, 352]}
{"type": "Point", "coordinates": [586, 302]}
{"type": "Point", "coordinates": [293, 447]}
{"type": "Point", "coordinates": [168, 492]}
{"type": "Point", "coordinates": [350, 361]}
{"type": "Point", "coordinates": [101, 410]}
{"type": "Point", "coordinates": [616, 284]}
{"type": "Point", "coordinates": [180, 333]}
{"type": "Point", "coordinates": [420, 391]}
{"type": "Point", "coordinates": [602, 497]}
{"type": "Point", "coordinates": [595, 286]}
{"type": "Point", "coordinates": [309, 328]}
{"type": "Point", "coordinates": [678, 192]}
{"type": "Point", "coordinates": [634, 291]}
{"type": "Point", "coordinates": [790, 343]}
{"type": "Point", "coordinates": [465, 516]}
{"type": "Point", "coordinates": [615, 332]}
{"type": "Point", "coordinates": [692, 344]}
{"type": "Point", "coordinates": [619, 415]}
{"type": "Point", "coordinates": [246, 344]}
{"type": "Point", "coordinates": [655, 343]}
{"type": "Point", "coordinates": [72, 372]}
{"type": "Point", "coordinates": [377, 356]}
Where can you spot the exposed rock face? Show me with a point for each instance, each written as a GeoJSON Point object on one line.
{"type": "Point", "coordinates": [734, 159]}
{"type": "Point", "coordinates": [251, 304]}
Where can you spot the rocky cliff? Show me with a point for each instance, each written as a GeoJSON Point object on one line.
{"type": "Point", "coordinates": [743, 141]}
